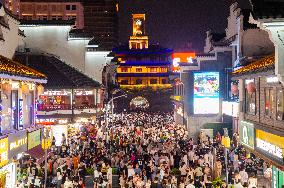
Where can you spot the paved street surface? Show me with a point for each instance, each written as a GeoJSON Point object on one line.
{"type": "Point", "coordinates": [144, 150]}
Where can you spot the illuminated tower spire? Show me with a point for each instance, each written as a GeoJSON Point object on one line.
{"type": "Point", "coordinates": [139, 39]}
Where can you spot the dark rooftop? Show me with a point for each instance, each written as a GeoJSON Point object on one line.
{"type": "Point", "coordinates": [14, 68]}
{"type": "Point", "coordinates": [216, 37]}
{"type": "Point", "coordinates": [59, 74]}
{"type": "Point", "coordinates": [246, 13]}
{"type": "Point", "coordinates": [263, 9]}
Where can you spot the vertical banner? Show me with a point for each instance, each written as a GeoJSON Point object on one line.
{"type": "Point", "coordinates": [21, 116]}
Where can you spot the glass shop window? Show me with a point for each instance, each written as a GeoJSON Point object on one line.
{"type": "Point", "coordinates": [269, 98]}
{"type": "Point", "coordinates": [280, 105]}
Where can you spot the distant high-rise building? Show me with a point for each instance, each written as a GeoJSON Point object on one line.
{"type": "Point", "coordinates": [94, 18]}
{"type": "Point", "coordinates": [101, 21]}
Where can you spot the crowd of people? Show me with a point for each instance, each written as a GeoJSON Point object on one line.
{"type": "Point", "coordinates": [143, 150]}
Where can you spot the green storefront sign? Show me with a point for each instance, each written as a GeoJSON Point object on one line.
{"type": "Point", "coordinates": [277, 178]}
{"type": "Point", "coordinates": [247, 134]}
{"type": "Point", "coordinates": [33, 139]}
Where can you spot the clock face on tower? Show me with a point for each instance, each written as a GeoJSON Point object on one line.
{"type": "Point", "coordinates": [138, 22]}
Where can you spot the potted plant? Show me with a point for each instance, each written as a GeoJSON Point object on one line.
{"type": "Point", "coordinates": [115, 178]}
{"type": "Point", "coordinates": [217, 183]}
{"type": "Point", "coordinates": [89, 176]}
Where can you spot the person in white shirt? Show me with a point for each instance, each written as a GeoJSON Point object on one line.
{"type": "Point", "coordinates": [252, 182]}
{"type": "Point", "coordinates": [68, 183]}
{"type": "Point", "coordinates": [244, 176]}
{"type": "Point", "coordinates": [190, 185]}
{"type": "Point", "coordinates": [238, 185]}
{"type": "Point", "coordinates": [131, 172]}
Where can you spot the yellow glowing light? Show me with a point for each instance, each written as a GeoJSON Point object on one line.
{"type": "Point", "coordinates": [14, 68]}
{"type": "Point", "coordinates": [264, 62]}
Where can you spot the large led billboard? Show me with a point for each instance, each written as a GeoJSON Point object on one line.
{"type": "Point", "coordinates": [206, 93]}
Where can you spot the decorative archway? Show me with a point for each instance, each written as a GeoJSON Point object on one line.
{"type": "Point", "coordinates": [140, 103]}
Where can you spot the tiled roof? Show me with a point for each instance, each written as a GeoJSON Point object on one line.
{"type": "Point", "coordinates": [13, 68]}
{"type": "Point", "coordinates": [263, 9]}
{"type": "Point", "coordinates": [257, 66]}
{"type": "Point", "coordinates": [59, 74]}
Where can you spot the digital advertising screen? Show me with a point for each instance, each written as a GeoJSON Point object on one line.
{"type": "Point", "coordinates": [182, 58]}
{"type": "Point", "coordinates": [206, 93]}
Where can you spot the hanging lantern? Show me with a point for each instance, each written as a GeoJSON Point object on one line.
{"type": "Point", "coordinates": [6, 88]}
{"type": "Point", "coordinates": [235, 89]}
{"type": "Point", "coordinates": [25, 89]}
{"type": "Point", "coordinates": [40, 89]}
{"type": "Point", "coordinates": [251, 88]}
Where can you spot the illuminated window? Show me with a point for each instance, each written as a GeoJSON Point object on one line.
{"type": "Point", "coordinates": [153, 81]}
{"type": "Point", "coordinates": [250, 103]}
{"type": "Point", "coordinates": [153, 69]}
{"type": "Point", "coordinates": [138, 81]}
{"type": "Point", "coordinates": [163, 69]}
{"type": "Point", "coordinates": [269, 102]}
{"type": "Point", "coordinates": [68, 7]}
{"type": "Point", "coordinates": [124, 69]}
{"type": "Point", "coordinates": [73, 7]}
{"type": "Point", "coordinates": [280, 104]}
{"type": "Point", "coordinates": [138, 69]}
{"type": "Point", "coordinates": [124, 82]}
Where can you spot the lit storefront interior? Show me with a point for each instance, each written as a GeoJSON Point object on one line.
{"type": "Point", "coordinates": [68, 94]}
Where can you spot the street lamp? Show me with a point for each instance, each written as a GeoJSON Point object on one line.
{"type": "Point", "coordinates": [111, 101]}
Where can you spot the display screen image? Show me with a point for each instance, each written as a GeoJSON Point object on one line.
{"type": "Point", "coordinates": [206, 93]}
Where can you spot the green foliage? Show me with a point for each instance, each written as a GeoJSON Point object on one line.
{"type": "Point", "coordinates": [114, 171]}
{"type": "Point", "coordinates": [175, 171]}
{"type": "Point", "coordinates": [217, 182]}
{"type": "Point", "coordinates": [90, 171]}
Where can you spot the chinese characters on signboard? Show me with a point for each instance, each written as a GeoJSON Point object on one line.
{"type": "Point", "coordinates": [21, 116]}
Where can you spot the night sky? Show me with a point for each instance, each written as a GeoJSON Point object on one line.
{"type": "Point", "coordinates": [173, 23]}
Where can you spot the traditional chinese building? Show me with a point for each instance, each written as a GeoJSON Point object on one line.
{"type": "Point", "coordinates": [261, 118]}
{"type": "Point", "coordinates": [69, 94]}
{"type": "Point", "coordinates": [140, 65]}
{"type": "Point", "coordinates": [20, 88]}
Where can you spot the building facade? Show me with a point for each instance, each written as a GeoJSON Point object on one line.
{"type": "Point", "coordinates": [141, 66]}
{"type": "Point", "coordinates": [20, 88]}
{"type": "Point", "coordinates": [69, 95]}
{"type": "Point", "coordinates": [261, 115]}
{"type": "Point", "coordinates": [95, 19]}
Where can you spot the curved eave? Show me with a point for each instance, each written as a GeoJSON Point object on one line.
{"type": "Point", "coordinates": [22, 78]}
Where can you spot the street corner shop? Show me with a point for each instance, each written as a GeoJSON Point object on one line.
{"type": "Point", "coordinates": [269, 145]}
{"type": "Point", "coordinates": [12, 149]}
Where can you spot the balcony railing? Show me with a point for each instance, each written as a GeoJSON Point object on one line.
{"type": "Point", "coordinates": [48, 108]}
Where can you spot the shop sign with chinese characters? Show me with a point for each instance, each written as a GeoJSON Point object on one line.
{"type": "Point", "coordinates": [270, 143]}
{"type": "Point", "coordinates": [17, 143]}
{"type": "Point", "coordinates": [4, 152]}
